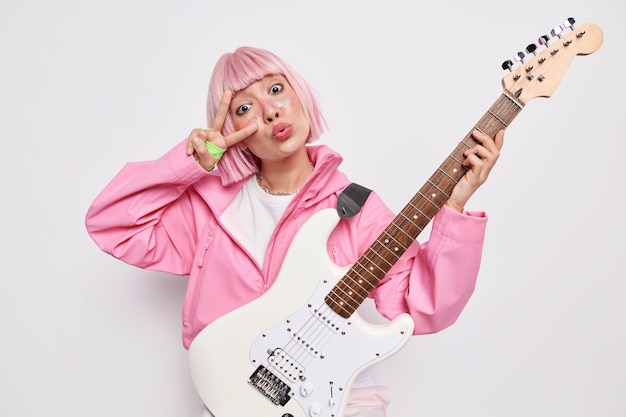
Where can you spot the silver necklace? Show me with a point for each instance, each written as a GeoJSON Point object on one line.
{"type": "Point", "coordinates": [267, 189]}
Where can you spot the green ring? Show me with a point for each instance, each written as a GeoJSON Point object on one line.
{"type": "Point", "coordinates": [214, 151]}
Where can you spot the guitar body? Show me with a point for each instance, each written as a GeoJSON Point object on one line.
{"type": "Point", "coordinates": [286, 353]}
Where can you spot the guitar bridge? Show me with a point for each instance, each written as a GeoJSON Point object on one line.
{"type": "Point", "coordinates": [270, 385]}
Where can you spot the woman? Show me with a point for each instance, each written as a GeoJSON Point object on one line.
{"type": "Point", "coordinates": [223, 206]}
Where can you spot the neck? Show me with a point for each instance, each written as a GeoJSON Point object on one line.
{"type": "Point", "coordinates": [285, 176]}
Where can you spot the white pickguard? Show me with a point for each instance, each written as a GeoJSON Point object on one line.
{"type": "Point", "coordinates": [304, 347]}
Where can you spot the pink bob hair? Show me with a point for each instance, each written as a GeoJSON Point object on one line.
{"type": "Point", "coordinates": [237, 70]}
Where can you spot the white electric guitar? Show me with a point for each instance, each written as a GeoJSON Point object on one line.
{"type": "Point", "coordinates": [296, 350]}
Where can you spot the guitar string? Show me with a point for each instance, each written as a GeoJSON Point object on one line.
{"type": "Point", "coordinates": [314, 333]}
{"type": "Point", "coordinates": [306, 333]}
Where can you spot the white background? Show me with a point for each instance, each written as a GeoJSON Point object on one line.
{"type": "Point", "coordinates": [86, 86]}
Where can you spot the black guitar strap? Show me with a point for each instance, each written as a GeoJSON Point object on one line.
{"type": "Point", "coordinates": [351, 200]}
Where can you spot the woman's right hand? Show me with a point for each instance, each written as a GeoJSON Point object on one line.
{"type": "Point", "coordinates": [196, 142]}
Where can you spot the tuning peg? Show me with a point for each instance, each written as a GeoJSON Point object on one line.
{"type": "Point", "coordinates": [556, 31]}
{"type": "Point", "coordinates": [519, 57]}
{"type": "Point", "coordinates": [507, 65]}
{"type": "Point", "coordinates": [531, 48]}
{"type": "Point", "coordinates": [569, 23]}
{"type": "Point", "coordinates": [543, 40]}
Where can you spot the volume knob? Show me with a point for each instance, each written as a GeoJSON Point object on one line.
{"type": "Point", "coordinates": [306, 389]}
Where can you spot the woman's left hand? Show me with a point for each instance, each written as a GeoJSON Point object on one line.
{"type": "Point", "coordinates": [480, 160]}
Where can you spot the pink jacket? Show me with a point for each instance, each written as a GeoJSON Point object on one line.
{"type": "Point", "coordinates": [164, 215]}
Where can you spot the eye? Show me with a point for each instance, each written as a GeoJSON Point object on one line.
{"type": "Point", "coordinates": [276, 88]}
{"type": "Point", "coordinates": [243, 108]}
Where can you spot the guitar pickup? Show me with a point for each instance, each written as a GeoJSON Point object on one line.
{"type": "Point", "coordinates": [286, 365]}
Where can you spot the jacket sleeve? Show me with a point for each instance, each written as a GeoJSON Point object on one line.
{"type": "Point", "coordinates": [144, 216]}
{"type": "Point", "coordinates": [433, 281]}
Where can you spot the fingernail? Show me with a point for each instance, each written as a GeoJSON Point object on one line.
{"type": "Point", "coordinates": [196, 141]}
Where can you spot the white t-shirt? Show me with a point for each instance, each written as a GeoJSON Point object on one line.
{"type": "Point", "coordinates": [253, 215]}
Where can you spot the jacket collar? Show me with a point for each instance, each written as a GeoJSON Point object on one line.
{"type": "Point", "coordinates": [325, 179]}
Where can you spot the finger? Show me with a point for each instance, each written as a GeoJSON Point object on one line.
{"type": "Point", "coordinates": [240, 135]}
{"type": "Point", "coordinates": [488, 147]}
{"type": "Point", "coordinates": [203, 133]}
{"type": "Point", "coordinates": [499, 139]}
{"type": "Point", "coordinates": [222, 111]}
{"type": "Point", "coordinates": [482, 138]}
{"type": "Point", "coordinates": [201, 154]}
{"type": "Point", "coordinates": [493, 144]}
{"type": "Point", "coordinates": [473, 161]}
{"type": "Point", "coordinates": [196, 143]}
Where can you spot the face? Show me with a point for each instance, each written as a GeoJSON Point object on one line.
{"type": "Point", "coordinates": [274, 106]}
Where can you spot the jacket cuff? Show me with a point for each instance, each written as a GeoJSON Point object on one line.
{"type": "Point", "coordinates": [468, 226]}
{"type": "Point", "coordinates": [183, 166]}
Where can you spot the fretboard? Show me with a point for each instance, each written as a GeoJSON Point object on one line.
{"type": "Point", "coordinates": [361, 279]}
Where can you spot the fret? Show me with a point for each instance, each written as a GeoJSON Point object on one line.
{"type": "Point", "coordinates": [383, 270]}
{"type": "Point", "coordinates": [393, 242]}
{"type": "Point", "coordinates": [440, 190]}
{"type": "Point", "coordinates": [358, 289]}
{"type": "Point", "coordinates": [469, 145]}
{"type": "Point", "coordinates": [377, 249]}
{"type": "Point", "coordinates": [351, 291]}
{"type": "Point", "coordinates": [348, 303]}
{"type": "Point", "coordinates": [373, 265]}
{"type": "Point", "coordinates": [392, 251]}
{"type": "Point", "coordinates": [348, 298]}
{"type": "Point", "coordinates": [369, 272]}
{"type": "Point", "coordinates": [428, 218]}
{"type": "Point", "coordinates": [338, 306]}
{"type": "Point", "coordinates": [513, 100]}
{"type": "Point", "coordinates": [391, 237]}
{"type": "Point", "coordinates": [500, 120]}
{"type": "Point", "coordinates": [410, 221]}
{"type": "Point", "coordinates": [428, 199]}
{"type": "Point", "coordinates": [366, 289]}
{"type": "Point", "coordinates": [434, 198]}
{"type": "Point", "coordinates": [446, 174]}
{"type": "Point", "coordinates": [402, 230]}
{"type": "Point", "coordinates": [458, 162]}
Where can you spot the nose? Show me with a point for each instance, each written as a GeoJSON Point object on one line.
{"type": "Point", "coordinates": [271, 112]}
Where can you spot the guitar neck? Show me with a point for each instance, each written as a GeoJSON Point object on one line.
{"type": "Point", "coordinates": [361, 279]}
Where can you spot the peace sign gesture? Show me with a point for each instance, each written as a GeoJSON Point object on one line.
{"type": "Point", "coordinates": [207, 144]}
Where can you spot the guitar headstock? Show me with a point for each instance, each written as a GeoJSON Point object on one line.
{"type": "Point", "coordinates": [541, 68]}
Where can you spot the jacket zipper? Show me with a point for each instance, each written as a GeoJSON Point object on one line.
{"type": "Point", "coordinates": [205, 248]}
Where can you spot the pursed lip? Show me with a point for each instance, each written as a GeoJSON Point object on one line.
{"type": "Point", "coordinates": [281, 131]}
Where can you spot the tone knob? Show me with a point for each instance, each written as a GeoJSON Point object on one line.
{"type": "Point", "coordinates": [315, 410]}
